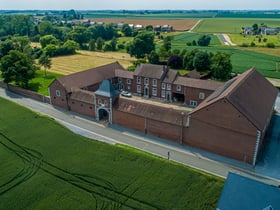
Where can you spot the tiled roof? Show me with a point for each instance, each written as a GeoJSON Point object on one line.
{"type": "Point", "coordinates": [162, 114]}
{"type": "Point", "coordinates": [82, 95]}
{"type": "Point", "coordinates": [193, 74]}
{"type": "Point", "coordinates": [124, 74]}
{"type": "Point", "coordinates": [170, 76]}
{"type": "Point", "coordinates": [150, 71]}
{"type": "Point", "coordinates": [198, 83]}
{"type": "Point", "coordinates": [250, 93]}
{"type": "Point", "coordinates": [89, 77]}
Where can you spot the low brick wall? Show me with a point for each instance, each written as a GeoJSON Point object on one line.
{"type": "Point", "coordinates": [24, 92]}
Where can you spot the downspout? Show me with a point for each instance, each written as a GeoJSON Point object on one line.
{"type": "Point", "coordinates": [188, 120]}
{"type": "Point", "coordinates": [257, 147]}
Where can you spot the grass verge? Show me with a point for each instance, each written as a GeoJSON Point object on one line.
{"type": "Point", "coordinates": [45, 166]}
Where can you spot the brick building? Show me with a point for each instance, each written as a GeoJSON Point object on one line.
{"type": "Point", "coordinates": [229, 119]}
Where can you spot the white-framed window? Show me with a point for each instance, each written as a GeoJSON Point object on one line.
{"type": "Point", "coordinates": [154, 93]}
{"type": "Point", "coordinates": [154, 82]}
{"type": "Point", "coordinates": [119, 80]}
{"type": "Point", "coordinates": [128, 81]}
{"type": "Point", "coordinates": [163, 93]}
{"type": "Point", "coordinates": [105, 103]}
{"type": "Point", "coordinates": [193, 103]}
{"type": "Point", "coordinates": [168, 86]}
{"type": "Point", "coordinates": [138, 79]}
{"type": "Point", "coordinates": [138, 89]}
{"type": "Point", "coordinates": [57, 93]}
{"type": "Point", "coordinates": [201, 95]}
{"type": "Point", "coordinates": [146, 81]}
{"type": "Point", "coordinates": [163, 85]}
{"type": "Point", "coordinates": [99, 101]}
{"type": "Point", "coordinates": [178, 88]}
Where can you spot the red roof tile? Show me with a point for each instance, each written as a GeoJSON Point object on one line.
{"type": "Point", "coordinates": [198, 83]}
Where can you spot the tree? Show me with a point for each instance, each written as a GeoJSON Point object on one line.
{"type": "Point", "coordinates": [99, 43]}
{"type": "Point", "coordinates": [45, 61]}
{"type": "Point", "coordinates": [113, 44]}
{"type": "Point", "coordinates": [45, 28]}
{"type": "Point", "coordinates": [91, 45]}
{"type": "Point", "coordinates": [221, 66]}
{"type": "Point", "coordinates": [142, 45]}
{"type": "Point", "coordinates": [80, 35]}
{"type": "Point", "coordinates": [167, 43]}
{"type": "Point", "coordinates": [17, 66]}
{"type": "Point", "coordinates": [153, 57]}
{"type": "Point", "coordinates": [204, 40]}
{"type": "Point", "coordinates": [188, 59]}
{"type": "Point", "coordinates": [48, 39]}
{"type": "Point", "coordinates": [175, 61]}
{"type": "Point", "coordinates": [201, 61]}
{"type": "Point", "coordinates": [127, 30]}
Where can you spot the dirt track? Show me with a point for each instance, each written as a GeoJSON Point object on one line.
{"type": "Point", "coordinates": [179, 24]}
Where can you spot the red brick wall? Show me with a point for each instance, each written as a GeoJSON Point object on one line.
{"type": "Point", "coordinates": [193, 94]}
{"type": "Point", "coordinates": [223, 130]}
{"type": "Point", "coordinates": [164, 130]}
{"type": "Point", "coordinates": [129, 120]}
{"type": "Point", "coordinates": [82, 108]}
{"type": "Point", "coordinates": [58, 100]}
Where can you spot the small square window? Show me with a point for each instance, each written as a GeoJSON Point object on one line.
{"type": "Point", "coordinates": [201, 95]}
{"type": "Point", "coordinates": [178, 88]}
{"type": "Point", "coordinates": [163, 85]}
{"type": "Point", "coordinates": [154, 93]}
{"type": "Point", "coordinates": [138, 80]}
{"type": "Point", "coordinates": [168, 86]}
{"type": "Point", "coordinates": [138, 88]}
{"type": "Point", "coordinates": [154, 82]}
{"type": "Point", "coordinates": [128, 81]}
{"type": "Point", "coordinates": [146, 81]}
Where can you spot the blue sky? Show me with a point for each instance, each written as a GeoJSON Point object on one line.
{"type": "Point", "coordinates": [141, 4]}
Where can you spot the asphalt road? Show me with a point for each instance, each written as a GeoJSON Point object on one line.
{"type": "Point", "coordinates": [198, 159]}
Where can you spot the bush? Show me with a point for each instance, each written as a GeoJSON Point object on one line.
{"type": "Point", "coordinates": [264, 39]}
{"type": "Point", "coordinates": [270, 45]}
{"type": "Point", "coordinates": [244, 45]}
{"type": "Point", "coordinates": [189, 44]}
{"type": "Point", "coordinates": [252, 44]}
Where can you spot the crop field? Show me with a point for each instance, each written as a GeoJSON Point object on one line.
{"type": "Point", "coordinates": [45, 166]}
{"type": "Point", "coordinates": [231, 25]}
{"type": "Point", "coordinates": [186, 15]}
{"type": "Point", "coordinates": [86, 60]}
{"type": "Point", "coordinates": [183, 38]}
{"type": "Point", "coordinates": [239, 40]}
{"type": "Point", "coordinates": [178, 24]}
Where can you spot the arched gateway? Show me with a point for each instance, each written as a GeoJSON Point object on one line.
{"type": "Point", "coordinates": [104, 99]}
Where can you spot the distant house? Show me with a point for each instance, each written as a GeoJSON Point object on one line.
{"type": "Point", "coordinates": [240, 192]}
{"type": "Point", "coordinates": [138, 26]}
{"type": "Point", "coordinates": [248, 30]}
{"type": "Point", "coordinates": [269, 31]}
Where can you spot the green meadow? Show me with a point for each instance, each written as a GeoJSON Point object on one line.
{"type": "Point", "coordinates": [45, 166]}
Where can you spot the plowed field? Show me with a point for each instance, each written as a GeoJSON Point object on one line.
{"type": "Point", "coordinates": [178, 24]}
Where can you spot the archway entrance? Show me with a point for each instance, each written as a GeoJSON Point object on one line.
{"type": "Point", "coordinates": [103, 115]}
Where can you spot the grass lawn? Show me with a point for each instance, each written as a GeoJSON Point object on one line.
{"type": "Point", "coordinates": [41, 82]}
{"type": "Point", "coordinates": [85, 60]}
{"type": "Point", "coordinates": [45, 166]}
{"type": "Point", "coordinates": [231, 25]}
{"type": "Point", "coordinates": [239, 40]}
{"type": "Point", "coordinates": [183, 38]}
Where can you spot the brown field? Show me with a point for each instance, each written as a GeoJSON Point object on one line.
{"type": "Point", "coordinates": [180, 24]}
{"type": "Point", "coordinates": [86, 60]}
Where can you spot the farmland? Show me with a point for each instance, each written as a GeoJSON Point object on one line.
{"type": "Point", "coordinates": [231, 25]}
{"type": "Point", "coordinates": [178, 24]}
{"type": "Point", "coordinates": [61, 170]}
{"type": "Point", "coordinates": [85, 60]}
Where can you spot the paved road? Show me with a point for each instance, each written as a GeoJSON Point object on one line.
{"type": "Point", "coordinates": [201, 160]}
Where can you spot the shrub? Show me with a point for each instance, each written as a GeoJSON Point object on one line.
{"type": "Point", "coordinates": [244, 45]}
{"type": "Point", "coordinates": [270, 45]}
{"type": "Point", "coordinates": [252, 44]}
